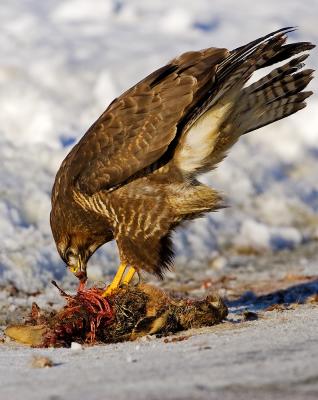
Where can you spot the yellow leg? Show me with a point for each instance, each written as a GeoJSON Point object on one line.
{"type": "Point", "coordinates": [128, 277]}
{"type": "Point", "coordinates": [116, 281]}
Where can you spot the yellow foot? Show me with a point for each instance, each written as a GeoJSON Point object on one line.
{"type": "Point", "coordinates": [118, 279]}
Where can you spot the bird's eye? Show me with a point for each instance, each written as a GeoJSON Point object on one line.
{"type": "Point", "coordinates": [70, 253]}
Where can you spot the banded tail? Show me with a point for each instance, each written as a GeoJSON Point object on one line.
{"type": "Point", "coordinates": [231, 107]}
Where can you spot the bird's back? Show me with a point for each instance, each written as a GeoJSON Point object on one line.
{"type": "Point", "coordinates": [189, 111]}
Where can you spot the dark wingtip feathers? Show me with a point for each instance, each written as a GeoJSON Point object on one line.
{"type": "Point", "coordinates": [304, 95]}
{"type": "Point", "coordinates": [280, 93]}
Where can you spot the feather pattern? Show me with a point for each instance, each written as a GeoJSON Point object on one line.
{"type": "Point", "coordinates": [231, 109]}
{"type": "Point", "coordinates": [133, 175]}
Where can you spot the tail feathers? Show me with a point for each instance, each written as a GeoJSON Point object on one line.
{"type": "Point", "coordinates": [235, 70]}
{"type": "Point", "coordinates": [239, 55]}
{"type": "Point", "coordinates": [278, 109]}
{"type": "Point", "coordinates": [279, 82]}
{"type": "Point", "coordinates": [287, 51]}
{"type": "Point", "coordinates": [287, 85]}
{"type": "Point", "coordinates": [232, 107]}
{"type": "Point", "coordinates": [292, 66]}
{"type": "Point", "coordinates": [278, 94]}
{"type": "Point", "coordinates": [275, 98]}
{"type": "Point", "coordinates": [239, 66]}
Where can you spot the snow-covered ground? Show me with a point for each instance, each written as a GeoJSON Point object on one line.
{"type": "Point", "coordinates": [63, 61]}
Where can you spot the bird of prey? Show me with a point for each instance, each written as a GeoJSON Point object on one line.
{"type": "Point", "coordinates": [133, 176]}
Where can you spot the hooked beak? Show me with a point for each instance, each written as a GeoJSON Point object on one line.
{"type": "Point", "coordinates": [79, 271]}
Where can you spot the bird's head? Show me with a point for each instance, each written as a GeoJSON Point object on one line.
{"type": "Point", "coordinates": [76, 242]}
{"type": "Point", "coordinates": [76, 261]}
{"type": "Point", "coordinates": [75, 252]}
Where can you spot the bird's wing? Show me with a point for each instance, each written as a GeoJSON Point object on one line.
{"type": "Point", "coordinates": [137, 128]}
{"type": "Point", "coordinates": [232, 108]}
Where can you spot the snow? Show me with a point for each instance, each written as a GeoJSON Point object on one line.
{"type": "Point", "coordinates": [76, 346]}
{"type": "Point", "coordinates": [63, 61]}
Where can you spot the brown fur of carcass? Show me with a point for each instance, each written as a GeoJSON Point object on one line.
{"type": "Point", "coordinates": [127, 314]}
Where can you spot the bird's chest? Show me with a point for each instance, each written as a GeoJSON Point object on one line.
{"type": "Point", "coordinates": [139, 210]}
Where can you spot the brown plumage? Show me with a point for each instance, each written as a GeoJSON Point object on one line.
{"type": "Point", "coordinates": [133, 176]}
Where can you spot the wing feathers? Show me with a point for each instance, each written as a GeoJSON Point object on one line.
{"type": "Point", "coordinates": [230, 109]}
{"type": "Point", "coordinates": [137, 128]}
{"type": "Point", "coordinates": [154, 116]}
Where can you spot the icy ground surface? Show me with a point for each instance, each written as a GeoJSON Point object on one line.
{"type": "Point", "coordinates": [63, 61]}
{"type": "Point", "coordinates": [273, 357]}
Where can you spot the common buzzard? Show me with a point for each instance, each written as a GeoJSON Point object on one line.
{"type": "Point", "coordinates": [133, 175]}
